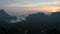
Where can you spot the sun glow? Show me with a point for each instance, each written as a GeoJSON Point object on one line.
{"type": "Point", "coordinates": [51, 9]}
{"type": "Point", "coordinates": [47, 9]}
{"type": "Point", "coordinates": [54, 10]}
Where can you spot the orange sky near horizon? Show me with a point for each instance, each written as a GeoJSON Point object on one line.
{"type": "Point", "coordinates": [25, 6]}
{"type": "Point", "coordinates": [48, 9]}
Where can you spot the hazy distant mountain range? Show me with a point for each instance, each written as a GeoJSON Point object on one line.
{"type": "Point", "coordinates": [5, 16]}
{"type": "Point", "coordinates": [38, 17]}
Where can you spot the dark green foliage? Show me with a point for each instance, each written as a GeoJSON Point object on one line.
{"type": "Point", "coordinates": [12, 28]}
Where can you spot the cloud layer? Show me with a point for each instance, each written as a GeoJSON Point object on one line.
{"type": "Point", "coordinates": [30, 5]}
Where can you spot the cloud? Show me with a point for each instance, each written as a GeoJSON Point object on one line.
{"type": "Point", "coordinates": [39, 4]}
{"type": "Point", "coordinates": [24, 5]}
{"type": "Point", "coordinates": [29, 3]}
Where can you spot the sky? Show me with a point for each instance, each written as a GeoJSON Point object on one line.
{"type": "Point", "coordinates": [17, 7]}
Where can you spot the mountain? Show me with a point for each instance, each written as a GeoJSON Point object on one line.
{"type": "Point", "coordinates": [5, 16]}
{"type": "Point", "coordinates": [37, 20]}
{"type": "Point", "coordinates": [41, 20]}
{"type": "Point", "coordinates": [41, 17]}
{"type": "Point", "coordinates": [37, 17]}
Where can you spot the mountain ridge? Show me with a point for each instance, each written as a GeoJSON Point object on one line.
{"type": "Point", "coordinates": [4, 16]}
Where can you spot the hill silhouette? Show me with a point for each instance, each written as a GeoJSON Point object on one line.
{"type": "Point", "coordinates": [37, 23]}
{"type": "Point", "coordinates": [40, 20]}
{"type": "Point", "coordinates": [5, 16]}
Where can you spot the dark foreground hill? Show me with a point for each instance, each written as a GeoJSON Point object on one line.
{"type": "Point", "coordinates": [40, 20]}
